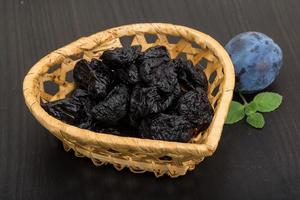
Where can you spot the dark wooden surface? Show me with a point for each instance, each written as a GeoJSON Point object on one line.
{"type": "Point", "coordinates": [249, 163]}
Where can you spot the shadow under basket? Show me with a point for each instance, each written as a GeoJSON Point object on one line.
{"type": "Point", "coordinates": [54, 71]}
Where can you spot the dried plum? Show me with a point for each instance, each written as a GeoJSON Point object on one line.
{"type": "Point", "coordinates": [169, 101]}
{"type": "Point", "coordinates": [99, 83]}
{"type": "Point", "coordinates": [157, 72]}
{"type": "Point", "coordinates": [74, 110]}
{"type": "Point", "coordinates": [121, 56]}
{"type": "Point", "coordinates": [156, 52]}
{"type": "Point", "coordinates": [146, 101]}
{"type": "Point", "coordinates": [195, 107]}
{"type": "Point", "coordinates": [190, 76]}
{"type": "Point", "coordinates": [143, 101]}
{"type": "Point", "coordinates": [114, 107]}
{"type": "Point", "coordinates": [166, 127]}
{"type": "Point", "coordinates": [94, 77]}
{"type": "Point", "coordinates": [151, 69]}
{"type": "Point", "coordinates": [82, 96]}
{"type": "Point", "coordinates": [68, 110]}
{"type": "Point", "coordinates": [165, 78]}
{"type": "Point", "coordinates": [79, 94]}
{"type": "Point", "coordinates": [128, 75]}
{"type": "Point", "coordinates": [95, 64]}
{"type": "Point", "coordinates": [123, 61]}
{"type": "Point", "coordinates": [139, 94]}
{"type": "Point", "coordinates": [116, 130]}
{"type": "Point", "coordinates": [148, 66]}
{"type": "Point", "coordinates": [81, 73]}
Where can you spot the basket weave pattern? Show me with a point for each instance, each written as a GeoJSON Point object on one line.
{"type": "Point", "coordinates": [139, 155]}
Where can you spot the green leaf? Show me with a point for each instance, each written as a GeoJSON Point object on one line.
{"type": "Point", "coordinates": [256, 120]}
{"type": "Point", "coordinates": [250, 108]}
{"type": "Point", "coordinates": [236, 113]}
{"type": "Point", "coordinates": [267, 101]}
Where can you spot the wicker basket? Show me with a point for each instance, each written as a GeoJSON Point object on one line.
{"type": "Point", "coordinates": [139, 155]}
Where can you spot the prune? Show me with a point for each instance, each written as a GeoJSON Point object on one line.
{"type": "Point", "coordinates": [116, 130]}
{"type": "Point", "coordinates": [165, 78]}
{"type": "Point", "coordinates": [166, 127]}
{"type": "Point", "coordinates": [148, 66]}
{"type": "Point", "coordinates": [156, 52]}
{"type": "Point", "coordinates": [190, 76]}
{"type": "Point", "coordinates": [121, 56]}
{"type": "Point", "coordinates": [143, 101]}
{"type": "Point", "coordinates": [133, 74]}
{"type": "Point", "coordinates": [156, 72]}
{"type": "Point", "coordinates": [138, 94]}
{"type": "Point", "coordinates": [94, 77]}
{"type": "Point", "coordinates": [95, 64]}
{"type": "Point", "coordinates": [123, 61]}
{"type": "Point", "coordinates": [81, 73]}
{"type": "Point", "coordinates": [68, 110]}
{"type": "Point", "coordinates": [169, 101]}
{"type": "Point", "coordinates": [148, 101]}
{"type": "Point", "coordinates": [128, 75]}
{"type": "Point", "coordinates": [195, 107]}
{"type": "Point", "coordinates": [82, 96]}
{"type": "Point", "coordinates": [99, 83]}
{"type": "Point", "coordinates": [114, 107]}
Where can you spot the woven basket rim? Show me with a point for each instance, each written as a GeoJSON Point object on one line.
{"type": "Point", "coordinates": [83, 136]}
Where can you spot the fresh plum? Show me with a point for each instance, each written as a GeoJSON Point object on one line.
{"type": "Point", "coordinates": [257, 60]}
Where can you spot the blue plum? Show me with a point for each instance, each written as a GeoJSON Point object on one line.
{"type": "Point", "coordinates": [257, 60]}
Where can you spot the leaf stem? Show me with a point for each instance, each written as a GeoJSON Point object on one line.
{"type": "Point", "coordinates": [243, 98]}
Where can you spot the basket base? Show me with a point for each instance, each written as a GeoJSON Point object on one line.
{"type": "Point", "coordinates": [170, 169]}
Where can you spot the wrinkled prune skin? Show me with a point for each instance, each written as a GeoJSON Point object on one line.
{"type": "Point", "coordinates": [156, 69]}
{"type": "Point", "coordinates": [115, 130]}
{"type": "Point", "coordinates": [169, 101]}
{"type": "Point", "coordinates": [166, 127]}
{"type": "Point", "coordinates": [191, 77]}
{"type": "Point", "coordinates": [159, 73]}
{"type": "Point", "coordinates": [121, 56]}
{"type": "Point", "coordinates": [165, 78]}
{"type": "Point", "coordinates": [128, 75]}
{"type": "Point", "coordinates": [101, 79]}
{"type": "Point", "coordinates": [95, 64]}
{"type": "Point", "coordinates": [79, 94]}
{"type": "Point", "coordinates": [195, 107]}
{"type": "Point", "coordinates": [146, 101]}
{"type": "Point", "coordinates": [155, 52]}
{"type": "Point", "coordinates": [82, 96]}
{"type": "Point", "coordinates": [133, 74]}
{"type": "Point", "coordinates": [81, 73]}
{"type": "Point", "coordinates": [138, 94]}
{"type": "Point", "coordinates": [68, 110]}
{"type": "Point", "coordinates": [148, 66]}
{"type": "Point", "coordinates": [94, 77]}
{"type": "Point", "coordinates": [113, 108]}
{"type": "Point", "coordinates": [74, 110]}
{"type": "Point", "coordinates": [99, 83]}
{"type": "Point", "coordinates": [123, 61]}
{"type": "Point", "coordinates": [143, 102]}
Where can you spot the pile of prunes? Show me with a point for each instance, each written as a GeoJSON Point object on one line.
{"type": "Point", "coordinates": [140, 94]}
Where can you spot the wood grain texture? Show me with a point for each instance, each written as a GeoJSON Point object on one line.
{"type": "Point", "coordinates": [249, 163]}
